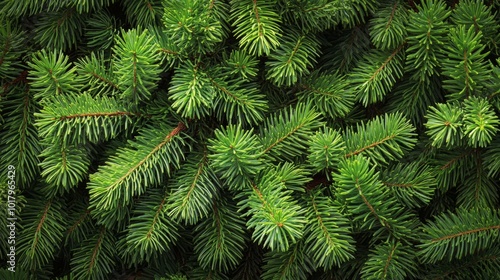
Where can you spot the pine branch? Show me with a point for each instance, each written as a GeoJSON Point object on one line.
{"type": "Point", "coordinates": [466, 65]}
{"type": "Point", "coordinates": [191, 91]}
{"type": "Point", "coordinates": [219, 239]}
{"type": "Point", "coordinates": [427, 30]}
{"type": "Point", "coordinates": [444, 124]}
{"type": "Point", "coordinates": [151, 232]}
{"type": "Point", "coordinates": [452, 166]}
{"type": "Point", "coordinates": [235, 155]}
{"type": "Point", "coordinates": [354, 175]}
{"type": "Point", "coordinates": [329, 93]}
{"type": "Point", "coordinates": [327, 139]}
{"type": "Point", "coordinates": [94, 258]}
{"type": "Point", "coordinates": [493, 85]}
{"type": "Point", "coordinates": [170, 53]}
{"type": "Point", "coordinates": [285, 265]}
{"type": "Point", "coordinates": [79, 119]}
{"type": "Point", "coordinates": [240, 64]}
{"type": "Point", "coordinates": [196, 27]}
{"type": "Point", "coordinates": [412, 184]}
{"type": "Point", "coordinates": [194, 190]}
{"type": "Point", "coordinates": [455, 235]}
{"type": "Point", "coordinates": [382, 139]}
{"type": "Point", "coordinates": [61, 29]}
{"type": "Point", "coordinates": [136, 65]}
{"type": "Point", "coordinates": [116, 219]}
{"type": "Point", "coordinates": [17, 9]}
{"type": "Point", "coordinates": [482, 265]}
{"type": "Point", "coordinates": [51, 74]}
{"type": "Point", "coordinates": [390, 260]}
{"type": "Point", "coordinates": [325, 150]}
{"type": "Point", "coordinates": [220, 10]}
{"type": "Point", "coordinates": [376, 74]}
{"type": "Point", "coordinates": [315, 15]}
{"type": "Point", "coordinates": [11, 41]}
{"type": "Point", "coordinates": [327, 236]}
{"type": "Point", "coordinates": [42, 235]}
{"type": "Point", "coordinates": [101, 30]}
{"type": "Point", "coordinates": [388, 27]}
{"type": "Point", "coordinates": [293, 58]}
{"type": "Point", "coordinates": [278, 221]}
{"type": "Point", "coordinates": [18, 137]}
{"type": "Point", "coordinates": [143, 13]}
{"type": "Point", "coordinates": [93, 73]}
{"type": "Point", "coordinates": [136, 167]}
{"type": "Point", "coordinates": [482, 17]}
{"type": "Point", "coordinates": [478, 190]}
{"type": "Point", "coordinates": [293, 177]}
{"type": "Point", "coordinates": [237, 95]}
{"type": "Point", "coordinates": [480, 122]}
{"type": "Point", "coordinates": [285, 133]}
{"type": "Point", "coordinates": [491, 159]}
{"type": "Point", "coordinates": [368, 203]}
{"type": "Point", "coordinates": [63, 167]}
{"type": "Point", "coordinates": [259, 32]}
{"type": "Point", "coordinates": [238, 101]}
{"type": "Point", "coordinates": [413, 98]}
{"type": "Point", "coordinates": [80, 223]}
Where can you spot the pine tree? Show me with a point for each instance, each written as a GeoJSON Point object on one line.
{"type": "Point", "coordinates": [250, 139]}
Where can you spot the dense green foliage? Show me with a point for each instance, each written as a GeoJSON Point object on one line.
{"type": "Point", "coordinates": [251, 139]}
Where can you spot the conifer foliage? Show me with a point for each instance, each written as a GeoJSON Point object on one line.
{"type": "Point", "coordinates": [250, 139]}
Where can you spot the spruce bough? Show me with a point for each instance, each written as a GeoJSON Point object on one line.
{"type": "Point", "coordinates": [251, 139]}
